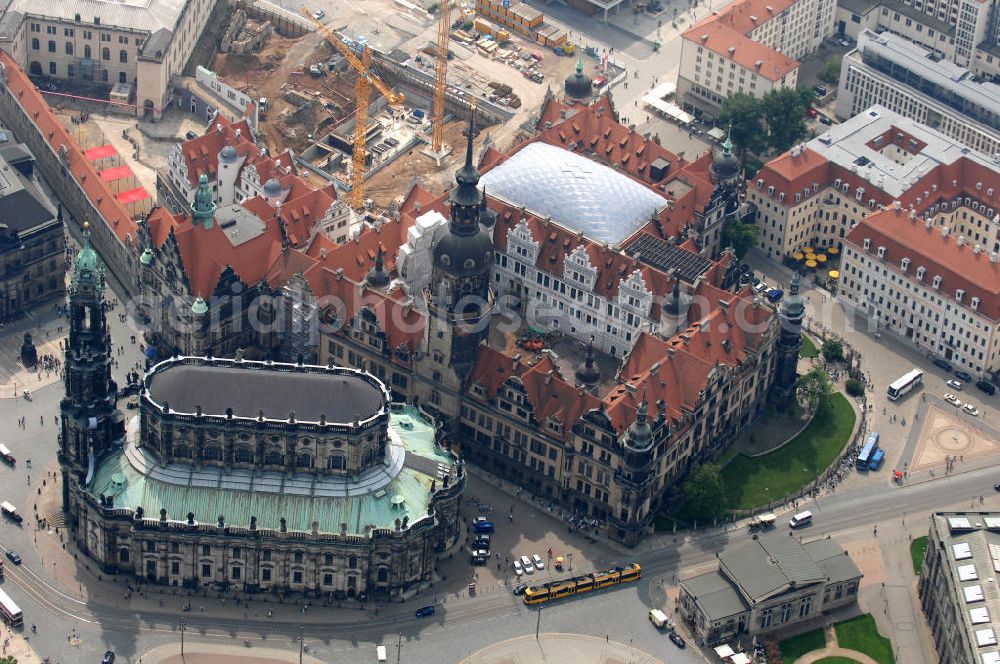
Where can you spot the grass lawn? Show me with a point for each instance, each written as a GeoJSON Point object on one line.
{"type": "Point", "coordinates": [836, 660]}
{"type": "Point", "coordinates": [862, 635]}
{"type": "Point", "coordinates": [918, 548]}
{"type": "Point", "coordinates": [808, 348]}
{"type": "Point", "coordinates": [753, 482]}
{"type": "Point", "coordinates": [796, 646]}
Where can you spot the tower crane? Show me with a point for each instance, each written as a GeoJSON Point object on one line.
{"type": "Point", "coordinates": [366, 79]}
{"type": "Point", "coordinates": [441, 80]}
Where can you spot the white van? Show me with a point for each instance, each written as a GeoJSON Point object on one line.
{"type": "Point", "coordinates": [380, 655]}
{"type": "Point", "coordinates": [801, 519]}
{"type": "Point", "coordinates": [657, 617]}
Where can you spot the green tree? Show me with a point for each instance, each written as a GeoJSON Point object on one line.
{"type": "Point", "coordinates": [9, 659]}
{"type": "Point", "coordinates": [739, 236]}
{"type": "Point", "coordinates": [831, 71]}
{"type": "Point", "coordinates": [813, 388]}
{"type": "Point", "coordinates": [743, 115]}
{"type": "Point", "coordinates": [833, 350]}
{"type": "Point", "coordinates": [704, 497]}
{"type": "Point", "coordinates": [854, 387]}
{"type": "Point", "coordinates": [784, 113]}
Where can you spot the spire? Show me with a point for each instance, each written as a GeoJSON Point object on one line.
{"type": "Point", "coordinates": [378, 276]}
{"type": "Point", "coordinates": [468, 167]}
{"type": "Point", "coordinates": [466, 198]}
{"type": "Point", "coordinates": [85, 267]}
{"type": "Point", "coordinates": [642, 411]}
{"type": "Point", "coordinates": [579, 66]}
{"type": "Point", "coordinates": [203, 207]}
{"type": "Point", "coordinates": [587, 374]}
{"type": "Point", "coordinates": [727, 146]}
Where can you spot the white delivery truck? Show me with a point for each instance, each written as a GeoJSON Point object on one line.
{"type": "Point", "coordinates": [658, 618]}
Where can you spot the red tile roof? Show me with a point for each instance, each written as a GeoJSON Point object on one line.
{"type": "Point", "coordinates": [725, 34]}
{"type": "Point", "coordinates": [958, 266]}
{"type": "Point", "coordinates": [112, 211]}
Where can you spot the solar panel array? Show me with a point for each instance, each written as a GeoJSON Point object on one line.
{"type": "Point", "coordinates": [667, 257]}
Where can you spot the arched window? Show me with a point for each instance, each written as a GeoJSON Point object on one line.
{"type": "Point", "coordinates": [244, 454]}
{"type": "Point", "coordinates": [335, 462]}
{"type": "Point", "coordinates": [182, 452]}
{"type": "Point", "coordinates": [383, 574]}
{"type": "Point", "coordinates": [275, 458]}
{"type": "Point", "coordinates": [352, 562]}
{"type": "Point", "coordinates": [123, 555]}
{"type": "Point", "coordinates": [213, 453]}
{"type": "Point", "coordinates": [123, 56]}
{"type": "Point", "coordinates": [304, 461]}
{"type": "Point", "coordinates": [105, 53]}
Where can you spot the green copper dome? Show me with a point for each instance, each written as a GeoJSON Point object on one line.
{"type": "Point", "coordinates": [147, 257]}
{"type": "Point", "coordinates": [87, 258]}
{"type": "Point", "coordinates": [87, 272]}
{"type": "Point", "coordinates": [203, 208]}
{"type": "Point", "coordinates": [199, 307]}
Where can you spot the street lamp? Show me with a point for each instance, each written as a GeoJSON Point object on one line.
{"type": "Point", "coordinates": [302, 642]}
{"type": "Point", "coordinates": [183, 627]}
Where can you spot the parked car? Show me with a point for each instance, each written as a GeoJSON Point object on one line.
{"type": "Point", "coordinates": [14, 557]}
{"type": "Point", "coordinates": [761, 287]}
{"type": "Point", "coordinates": [483, 526]}
{"type": "Point", "coordinates": [819, 90]}
{"type": "Point", "coordinates": [109, 657]}
{"type": "Point", "coordinates": [318, 14]}
{"type": "Point", "coordinates": [677, 640]}
{"type": "Point", "coordinates": [520, 588]}
{"type": "Point", "coordinates": [953, 400]}
{"type": "Point", "coordinates": [825, 120]}
{"type": "Point", "coordinates": [775, 294]}
{"type": "Point", "coordinates": [190, 136]}
{"type": "Point", "coordinates": [987, 387]}
{"type": "Point", "coordinates": [811, 112]}
{"type": "Point", "coordinates": [942, 363]}
{"type": "Point", "coordinates": [526, 564]}
{"type": "Point", "coordinates": [954, 384]}
{"type": "Point", "coordinates": [537, 559]}
{"type": "Point", "coordinates": [970, 409]}
{"type": "Point", "coordinates": [517, 568]}
{"type": "Point", "coordinates": [482, 542]}
{"type": "Point", "coordinates": [964, 376]}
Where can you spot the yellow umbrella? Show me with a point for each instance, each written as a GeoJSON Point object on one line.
{"type": "Point", "coordinates": [821, 258]}
{"type": "Point", "coordinates": [811, 264]}
{"type": "Point", "coordinates": [807, 250]}
{"type": "Point", "coordinates": [835, 274]}
{"type": "Point", "coordinates": [810, 256]}
{"type": "Point", "coordinates": [833, 251]}
{"type": "Point", "coordinates": [797, 256]}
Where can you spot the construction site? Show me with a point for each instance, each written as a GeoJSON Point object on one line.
{"type": "Point", "coordinates": [311, 92]}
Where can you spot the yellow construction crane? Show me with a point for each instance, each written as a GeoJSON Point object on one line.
{"type": "Point", "coordinates": [366, 79]}
{"type": "Point", "coordinates": [441, 79]}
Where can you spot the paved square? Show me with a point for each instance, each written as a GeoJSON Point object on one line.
{"type": "Point", "coordinates": [946, 433]}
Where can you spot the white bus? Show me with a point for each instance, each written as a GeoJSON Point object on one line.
{"type": "Point", "coordinates": [905, 384]}
{"type": "Point", "coordinates": [10, 611]}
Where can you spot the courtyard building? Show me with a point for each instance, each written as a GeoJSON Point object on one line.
{"type": "Point", "coordinates": [963, 554]}
{"type": "Point", "coordinates": [767, 584]}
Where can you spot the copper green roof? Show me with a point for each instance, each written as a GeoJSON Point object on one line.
{"type": "Point", "coordinates": [399, 488]}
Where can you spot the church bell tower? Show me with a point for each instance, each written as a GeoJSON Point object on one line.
{"type": "Point", "coordinates": [91, 425]}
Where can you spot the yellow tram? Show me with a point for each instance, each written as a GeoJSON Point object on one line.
{"type": "Point", "coordinates": [581, 584]}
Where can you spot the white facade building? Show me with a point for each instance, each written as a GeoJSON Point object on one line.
{"type": "Point", "coordinates": [888, 70]}
{"type": "Point", "coordinates": [928, 284]}
{"type": "Point", "coordinates": [750, 47]}
{"type": "Point", "coordinates": [137, 43]}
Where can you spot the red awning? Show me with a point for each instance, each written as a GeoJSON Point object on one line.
{"type": "Point", "coordinates": [93, 154]}
{"type": "Point", "coordinates": [116, 173]}
{"type": "Point", "coordinates": [133, 195]}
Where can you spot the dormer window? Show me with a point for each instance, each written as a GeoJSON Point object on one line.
{"type": "Point", "coordinates": [770, 190]}
{"type": "Point", "coordinates": [904, 264]}
{"type": "Point", "coordinates": [881, 252]}
{"type": "Point", "coordinates": [868, 244]}
{"type": "Point", "coordinates": [975, 304]}
{"type": "Point", "coordinates": [937, 282]}
{"type": "Point", "coordinates": [959, 294]}
{"type": "Point", "coordinates": [920, 273]}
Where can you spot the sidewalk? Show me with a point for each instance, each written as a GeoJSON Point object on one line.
{"type": "Point", "coordinates": [44, 326]}
{"type": "Point", "coordinates": [203, 653]}
{"type": "Point", "coordinates": [560, 648]}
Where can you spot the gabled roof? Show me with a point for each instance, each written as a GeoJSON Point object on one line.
{"type": "Point", "coordinates": [58, 137]}
{"type": "Point", "coordinates": [768, 566]}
